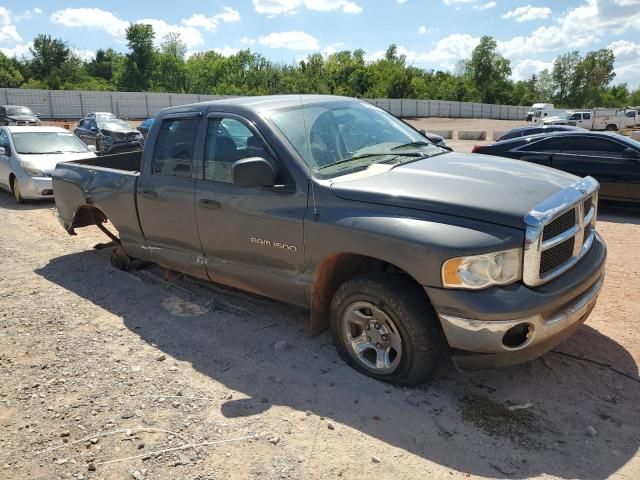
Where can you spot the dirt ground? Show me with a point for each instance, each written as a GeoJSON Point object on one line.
{"type": "Point", "coordinates": [111, 375]}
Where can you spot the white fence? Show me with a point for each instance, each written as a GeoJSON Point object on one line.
{"type": "Point", "coordinates": [67, 104]}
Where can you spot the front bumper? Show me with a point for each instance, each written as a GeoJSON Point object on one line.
{"type": "Point", "coordinates": [122, 146]}
{"type": "Point", "coordinates": [33, 188]}
{"type": "Point", "coordinates": [475, 322]}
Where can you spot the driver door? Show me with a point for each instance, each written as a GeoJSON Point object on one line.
{"type": "Point", "coordinates": [251, 237]}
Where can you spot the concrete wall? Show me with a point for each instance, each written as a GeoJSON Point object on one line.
{"type": "Point", "coordinates": [67, 104]}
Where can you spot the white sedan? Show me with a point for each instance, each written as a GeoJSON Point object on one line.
{"type": "Point", "coordinates": [28, 156]}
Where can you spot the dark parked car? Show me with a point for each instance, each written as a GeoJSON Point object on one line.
{"type": "Point", "coordinates": [401, 247]}
{"type": "Point", "coordinates": [101, 115]}
{"type": "Point", "coordinates": [612, 159]}
{"type": "Point", "coordinates": [527, 131]}
{"type": "Point", "coordinates": [17, 115]}
{"type": "Point", "coordinates": [109, 136]}
{"type": "Point", "coordinates": [145, 126]}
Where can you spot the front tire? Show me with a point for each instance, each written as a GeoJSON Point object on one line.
{"type": "Point", "coordinates": [17, 194]}
{"type": "Point", "coordinates": [384, 327]}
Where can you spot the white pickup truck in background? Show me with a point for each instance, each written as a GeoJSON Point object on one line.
{"type": "Point", "coordinates": [610, 119]}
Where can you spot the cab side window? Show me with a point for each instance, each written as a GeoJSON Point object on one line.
{"type": "Point", "coordinates": [173, 154]}
{"type": "Point", "coordinates": [228, 140]}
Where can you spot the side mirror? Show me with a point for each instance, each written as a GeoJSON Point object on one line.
{"type": "Point", "coordinates": [253, 172]}
{"type": "Point", "coordinates": [423, 132]}
{"type": "Point", "coordinates": [92, 148]}
{"type": "Point", "coordinates": [2, 151]}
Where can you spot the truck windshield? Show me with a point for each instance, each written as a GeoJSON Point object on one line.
{"type": "Point", "coordinates": [38, 143]}
{"type": "Point", "coordinates": [348, 135]}
{"type": "Point", "coordinates": [19, 111]}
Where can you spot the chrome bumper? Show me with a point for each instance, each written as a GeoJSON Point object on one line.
{"type": "Point", "coordinates": [487, 336]}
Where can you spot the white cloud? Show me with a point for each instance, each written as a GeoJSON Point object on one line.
{"type": "Point", "coordinates": [85, 55]}
{"type": "Point", "coordinates": [192, 37]}
{"type": "Point", "coordinates": [18, 51]}
{"type": "Point", "coordinates": [5, 16]}
{"type": "Point", "coordinates": [457, 2]}
{"type": "Point", "coordinates": [37, 10]}
{"type": "Point", "coordinates": [9, 34]}
{"type": "Point", "coordinates": [525, 68]}
{"type": "Point", "coordinates": [401, 1]}
{"type": "Point", "coordinates": [450, 49]}
{"type": "Point", "coordinates": [294, 40]}
{"type": "Point", "coordinates": [197, 20]}
{"type": "Point", "coordinates": [92, 18]}
{"type": "Point", "coordinates": [333, 48]}
{"type": "Point", "coordinates": [422, 30]}
{"type": "Point", "coordinates": [485, 6]}
{"type": "Point", "coordinates": [279, 7]}
{"type": "Point", "coordinates": [527, 13]}
{"type": "Point", "coordinates": [627, 66]}
{"type": "Point", "coordinates": [226, 51]}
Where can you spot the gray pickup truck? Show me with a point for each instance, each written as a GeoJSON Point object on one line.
{"type": "Point", "coordinates": [407, 251]}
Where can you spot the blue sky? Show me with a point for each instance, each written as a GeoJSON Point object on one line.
{"type": "Point", "coordinates": [431, 33]}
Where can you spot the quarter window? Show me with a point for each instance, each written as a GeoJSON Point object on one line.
{"type": "Point", "coordinates": [174, 150]}
{"type": "Point", "coordinates": [228, 140]}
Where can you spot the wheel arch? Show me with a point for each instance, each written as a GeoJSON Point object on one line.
{"type": "Point", "coordinates": [332, 272]}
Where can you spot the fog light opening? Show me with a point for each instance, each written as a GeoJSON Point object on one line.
{"type": "Point", "coordinates": [518, 336]}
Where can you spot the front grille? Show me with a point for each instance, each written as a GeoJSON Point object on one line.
{"type": "Point", "coordinates": [586, 206]}
{"type": "Point", "coordinates": [556, 256]}
{"type": "Point", "coordinates": [560, 225]}
{"type": "Point", "coordinates": [560, 231]}
{"type": "Point", "coordinates": [24, 123]}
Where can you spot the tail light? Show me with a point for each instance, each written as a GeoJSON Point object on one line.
{"type": "Point", "coordinates": [476, 149]}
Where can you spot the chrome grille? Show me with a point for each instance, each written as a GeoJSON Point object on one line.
{"type": "Point", "coordinates": [559, 232]}
{"type": "Point", "coordinates": [556, 256]}
{"type": "Point", "coordinates": [560, 225]}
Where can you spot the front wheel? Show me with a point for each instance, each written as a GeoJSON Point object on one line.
{"type": "Point", "coordinates": [384, 327]}
{"type": "Point", "coordinates": [611, 128]}
{"type": "Point", "coordinates": [17, 194]}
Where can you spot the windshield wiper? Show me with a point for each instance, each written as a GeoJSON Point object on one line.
{"type": "Point", "coordinates": [419, 143]}
{"type": "Point", "coordinates": [367, 155]}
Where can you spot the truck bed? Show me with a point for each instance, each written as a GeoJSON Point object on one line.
{"type": "Point", "coordinates": [128, 161]}
{"type": "Point", "coordinates": [107, 184]}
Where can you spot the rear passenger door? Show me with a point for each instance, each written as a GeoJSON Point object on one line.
{"type": "Point", "coordinates": [166, 192]}
{"type": "Point", "coordinates": [604, 159]}
{"type": "Point", "coordinates": [252, 238]}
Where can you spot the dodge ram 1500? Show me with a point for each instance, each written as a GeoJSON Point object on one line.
{"type": "Point", "coordinates": [405, 250]}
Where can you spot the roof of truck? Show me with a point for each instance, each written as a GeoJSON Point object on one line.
{"type": "Point", "coordinates": [270, 102]}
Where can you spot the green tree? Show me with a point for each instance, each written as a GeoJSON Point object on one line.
{"type": "Point", "coordinates": [592, 75]}
{"type": "Point", "coordinates": [170, 69]}
{"type": "Point", "coordinates": [563, 73]}
{"type": "Point", "coordinates": [10, 76]}
{"type": "Point", "coordinates": [48, 57]}
{"type": "Point", "coordinates": [490, 71]}
{"type": "Point", "coordinates": [140, 63]}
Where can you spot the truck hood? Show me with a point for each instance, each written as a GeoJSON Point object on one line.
{"type": "Point", "coordinates": [23, 118]}
{"type": "Point", "coordinates": [47, 162]}
{"type": "Point", "coordinates": [482, 187]}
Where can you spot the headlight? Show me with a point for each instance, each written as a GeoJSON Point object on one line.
{"type": "Point", "coordinates": [32, 170]}
{"type": "Point", "coordinates": [480, 271]}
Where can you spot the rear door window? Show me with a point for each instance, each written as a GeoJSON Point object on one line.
{"type": "Point", "coordinates": [174, 150]}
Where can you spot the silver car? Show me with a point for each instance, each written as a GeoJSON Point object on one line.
{"type": "Point", "coordinates": [28, 156]}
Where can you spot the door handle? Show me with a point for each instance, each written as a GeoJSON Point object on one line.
{"type": "Point", "coordinates": [150, 194]}
{"type": "Point", "coordinates": [208, 203]}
